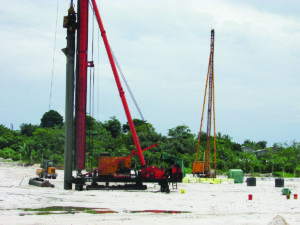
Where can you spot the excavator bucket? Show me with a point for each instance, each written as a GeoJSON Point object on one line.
{"type": "Point", "coordinates": [39, 182]}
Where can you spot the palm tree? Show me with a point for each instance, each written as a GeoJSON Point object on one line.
{"type": "Point", "coordinates": [22, 149]}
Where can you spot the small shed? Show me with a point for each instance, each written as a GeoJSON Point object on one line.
{"type": "Point", "coordinates": [236, 174]}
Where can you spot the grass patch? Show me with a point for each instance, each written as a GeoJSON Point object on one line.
{"type": "Point", "coordinates": [281, 174]}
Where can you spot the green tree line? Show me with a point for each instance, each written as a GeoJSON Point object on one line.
{"type": "Point", "coordinates": [35, 143]}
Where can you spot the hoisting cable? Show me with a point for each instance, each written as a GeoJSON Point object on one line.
{"type": "Point", "coordinates": [199, 137]}
{"type": "Point", "coordinates": [53, 55]}
{"type": "Point", "coordinates": [92, 68]}
{"type": "Point", "coordinates": [92, 87]}
{"type": "Point", "coordinates": [93, 34]}
{"type": "Point", "coordinates": [129, 90]}
{"type": "Point", "coordinates": [92, 75]}
{"type": "Point", "coordinates": [98, 80]}
{"type": "Point", "coordinates": [93, 79]}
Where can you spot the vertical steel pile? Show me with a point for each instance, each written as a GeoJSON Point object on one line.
{"type": "Point", "coordinates": [70, 24]}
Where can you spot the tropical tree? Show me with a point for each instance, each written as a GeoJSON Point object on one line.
{"type": "Point", "coordinates": [261, 144]}
{"type": "Point", "coordinates": [51, 119]}
{"type": "Point", "coordinates": [3, 142]}
{"type": "Point", "coordinates": [28, 129]}
{"type": "Point", "coordinates": [113, 126]}
{"type": "Point", "coordinates": [22, 149]}
{"type": "Point", "coordinates": [182, 139]}
{"type": "Point", "coordinates": [136, 123]}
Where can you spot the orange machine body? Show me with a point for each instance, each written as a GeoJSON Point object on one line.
{"type": "Point", "coordinates": [112, 170]}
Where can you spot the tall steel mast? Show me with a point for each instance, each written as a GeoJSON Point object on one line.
{"type": "Point", "coordinates": [70, 24]}
{"type": "Point", "coordinates": [209, 109]}
{"type": "Point", "coordinates": [81, 84]}
{"type": "Point", "coordinates": [203, 167]}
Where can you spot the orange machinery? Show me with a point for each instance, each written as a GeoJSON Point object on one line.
{"type": "Point", "coordinates": [112, 169]}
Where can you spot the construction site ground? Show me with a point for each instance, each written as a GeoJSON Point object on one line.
{"type": "Point", "coordinates": [190, 203]}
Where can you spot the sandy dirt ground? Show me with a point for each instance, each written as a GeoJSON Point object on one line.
{"type": "Point", "coordinates": [201, 203]}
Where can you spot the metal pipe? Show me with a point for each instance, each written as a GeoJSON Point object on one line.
{"type": "Point", "coordinates": [70, 24]}
{"type": "Point", "coordinates": [215, 144]}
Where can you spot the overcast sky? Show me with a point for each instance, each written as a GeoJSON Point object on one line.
{"type": "Point", "coordinates": [163, 50]}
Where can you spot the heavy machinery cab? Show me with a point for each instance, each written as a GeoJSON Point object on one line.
{"type": "Point", "coordinates": [121, 170]}
{"type": "Point", "coordinates": [48, 163]}
{"type": "Point", "coordinates": [48, 170]}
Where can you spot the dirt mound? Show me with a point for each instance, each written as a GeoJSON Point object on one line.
{"type": "Point", "coordinates": [278, 220]}
{"type": "Point", "coordinates": [36, 166]}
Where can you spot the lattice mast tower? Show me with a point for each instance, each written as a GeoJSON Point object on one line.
{"type": "Point", "coordinates": [203, 168]}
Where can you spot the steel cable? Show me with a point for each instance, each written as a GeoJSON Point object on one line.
{"type": "Point", "coordinates": [130, 92]}
{"type": "Point", "coordinates": [53, 60]}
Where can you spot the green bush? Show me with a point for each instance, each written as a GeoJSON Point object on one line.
{"type": "Point", "coordinates": [8, 152]}
{"type": "Point", "coordinates": [15, 156]}
{"type": "Point", "coordinates": [280, 174]}
{"type": "Point", "coordinates": [58, 159]}
{"type": "Point", "coordinates": [222, 171]}
{"type": "Point", "coordinates": [3, 154]}
{"type": "Point", "coordinates": [288, 175]}
{"type": "Point", "coordinates": [277, 174]}
{"type": "Point", "coordinates": [188, 170]}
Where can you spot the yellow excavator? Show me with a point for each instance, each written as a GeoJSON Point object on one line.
{"type": "Point", "coordinates": [48, 170]}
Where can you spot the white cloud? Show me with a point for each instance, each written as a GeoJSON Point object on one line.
{"type": "Point", "coordinates": [163, 49]}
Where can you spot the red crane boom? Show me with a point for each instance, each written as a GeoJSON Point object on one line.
{"type": "Point", "coordinates": [119, 85]}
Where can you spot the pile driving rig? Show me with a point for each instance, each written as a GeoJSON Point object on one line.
{"type": "Point", "coordinates": [110, 169]}
{"type": "Point", "coordinates": [203, 168]}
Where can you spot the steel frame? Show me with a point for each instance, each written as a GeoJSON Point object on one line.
{"type": "Point", "coordinates": [80, 113]}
